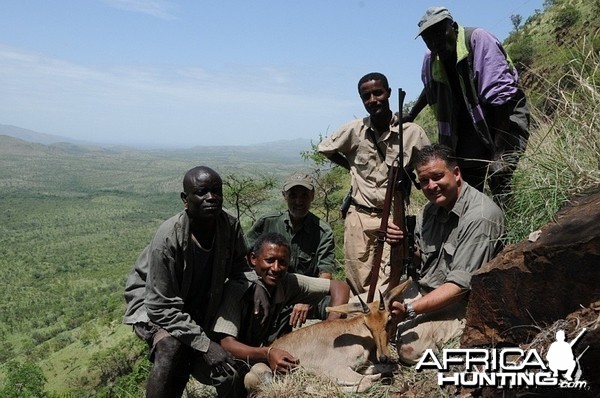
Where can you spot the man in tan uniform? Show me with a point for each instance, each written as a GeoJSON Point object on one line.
{"type": "Point", "coordinates": [367, 148]}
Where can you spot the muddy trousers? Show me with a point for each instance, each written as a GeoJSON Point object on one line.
{"type": "Point", "coordinates": [174, 362]}
{"type": "Point", "coordinates": [170, 370]}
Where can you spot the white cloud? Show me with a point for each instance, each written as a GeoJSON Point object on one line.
{"type": "Point", "coordinates": [182, 104]}
{"type": "Point", "coordinates": [156, 8]}
{"type": "Point", "coordinates": [194, 73]}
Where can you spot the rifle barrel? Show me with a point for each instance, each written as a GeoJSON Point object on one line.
{"type": "Point", "coordinates": [393, 192]}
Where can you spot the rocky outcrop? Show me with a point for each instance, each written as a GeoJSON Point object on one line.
{"type": "Point", "coordinates": [534, 288]}
{"type": "Point", "coordinates": [532, 284]}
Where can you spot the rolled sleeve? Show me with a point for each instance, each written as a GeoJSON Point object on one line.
{"type": "Point", "coordinates": [343, 141]}
{"type": "Point", "coordinates": [306, 289]}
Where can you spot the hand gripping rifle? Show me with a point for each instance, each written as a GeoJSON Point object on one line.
{"type": "Point", "coordinates": [398, 189]}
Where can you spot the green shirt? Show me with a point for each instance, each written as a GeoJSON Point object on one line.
{"type": "Point", "coordinates": [457, 243]}
{"type": "Point", "coordinates": [313, 248]}
{"type": "Point", "coordinates": [236, 317]}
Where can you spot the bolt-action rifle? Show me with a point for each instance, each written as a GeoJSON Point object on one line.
{"type": "Point", "coordinates": [398, 190]}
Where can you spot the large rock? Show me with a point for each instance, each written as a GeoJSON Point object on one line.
{"type": "Point", "coordinates": [586, 349]}
{"type": "Point", "coordinates": [532, 284]}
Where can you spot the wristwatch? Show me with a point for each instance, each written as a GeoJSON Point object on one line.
{"type": "Point", "coordinates": [410, 311]}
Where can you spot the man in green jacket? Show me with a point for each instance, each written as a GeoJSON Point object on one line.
{"type": "Point", "coordinates": [458, 231]}
{"type": "Point", "coordinates": [311, 240]}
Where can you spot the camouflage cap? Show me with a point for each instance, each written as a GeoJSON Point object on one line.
{"type": "Point", "coordinates": [302, 179]}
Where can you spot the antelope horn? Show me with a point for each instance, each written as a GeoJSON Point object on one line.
{"type": "Point", "coordinates": [381, 302]}
{"type": "Point", "coordinates": [365, 307]}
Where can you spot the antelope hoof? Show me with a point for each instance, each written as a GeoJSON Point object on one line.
{"type": "Point", "coordinates": [259, 374]}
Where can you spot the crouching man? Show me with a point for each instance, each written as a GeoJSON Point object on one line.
{"type": "Point", "coordinates": [173, 292]}
{"type": "Point", "coordinates": [459, 230]}
{"type": "Point", "coordinates": [246, 336]}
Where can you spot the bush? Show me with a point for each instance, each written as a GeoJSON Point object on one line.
{"type": "Point", "coordinates": [23, 381]}
{"type": "Point", "coordinates": [123, 370]}
{"type": "Point", "coordinates": [561, 160]}
{"type": "Point", "coordinates": [567, 16]}
{"type": "Point", "coordinates": [6, 351]}
{"type": "Point", "coordinates": [521, 51]}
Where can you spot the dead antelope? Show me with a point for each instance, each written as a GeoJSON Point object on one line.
{"type": "Point", "coordinates": [337, 348]}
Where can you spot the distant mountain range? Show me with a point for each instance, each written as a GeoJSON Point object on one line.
{"type": "Point", "coordinates": [285, 151]}
{"type": "Point", "coordinates": [34, 136]}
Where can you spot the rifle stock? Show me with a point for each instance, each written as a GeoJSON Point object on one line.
{"type": "Point", "coordinates": [398, 252]}
{"type": "Point", "coordinates": [393, 191]}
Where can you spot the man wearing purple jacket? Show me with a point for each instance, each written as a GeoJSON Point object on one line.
{"type": "Point", "coordinates": [472, 87]}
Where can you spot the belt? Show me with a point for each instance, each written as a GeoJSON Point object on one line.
{"type": "Point", "coordinates": [366, 209]}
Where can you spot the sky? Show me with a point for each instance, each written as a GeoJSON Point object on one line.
{"type": "Point", "coordinates": [167, 73]}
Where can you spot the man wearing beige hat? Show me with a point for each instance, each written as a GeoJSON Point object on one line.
{"type": "Point", "coordinates": [473, 89]}
{"type": "Point", "coordinates": [311, 239]}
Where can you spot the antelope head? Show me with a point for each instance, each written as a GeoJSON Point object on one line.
{"type": "Point", "coordinates": [375, 317]}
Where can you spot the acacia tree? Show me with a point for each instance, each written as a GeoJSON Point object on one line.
{"type": "Point", "coordinates": [331, 184]}
{"type": "Point", "coordinates": [245, 193]}
{"type": "Point", "coordinates": [516, 20]}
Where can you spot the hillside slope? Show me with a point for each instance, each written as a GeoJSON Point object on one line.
{"type": "Point", "coordinates": [74, 218]}
{"type": "Point", "coordinates": [546, 45]}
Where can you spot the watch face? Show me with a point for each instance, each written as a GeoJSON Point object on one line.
{"type": "Point", "coordinates": [410, 311]}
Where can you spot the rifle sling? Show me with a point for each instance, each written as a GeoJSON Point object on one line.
{"type": "Point", "coordinates": [374, 139]}
{"type": "Point", "coordinates": [411, 176]}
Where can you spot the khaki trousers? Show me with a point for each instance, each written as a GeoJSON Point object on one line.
{"type": "Point", "coordinates": [360, 241]}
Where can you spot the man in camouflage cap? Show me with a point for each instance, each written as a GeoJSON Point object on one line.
{"type": "Point", "coordinates": [311, 239]}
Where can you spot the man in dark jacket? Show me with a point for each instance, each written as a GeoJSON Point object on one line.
{"type": "Point", "coordinates": [249, 341]}
{"type": "Point", "coordinates": [176, 286]}
{"type": "Point", "coordinates": [472, 87]}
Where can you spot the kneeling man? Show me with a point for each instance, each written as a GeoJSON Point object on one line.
{"type": "Point", "coordinates": [459, 230]}
{"type": "Point", "coordinates": [242, 333]}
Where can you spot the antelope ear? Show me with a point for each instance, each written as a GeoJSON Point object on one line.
{"type": "Point", "coordinates": [349, 308]}
{"type": "Point", "coordinates": [397, 291]}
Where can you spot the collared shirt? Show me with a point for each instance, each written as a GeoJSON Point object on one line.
{"type": "Point", "coordinates": [457, 243]}
{"type": "Point", "coordinates": [163, 286]}
{"type": "Point", "coordinates": [313, 247]}
{"type": "Point", "coordinates": [368, 170]}
{"type": "Point", "coordinates": [235, 317]}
